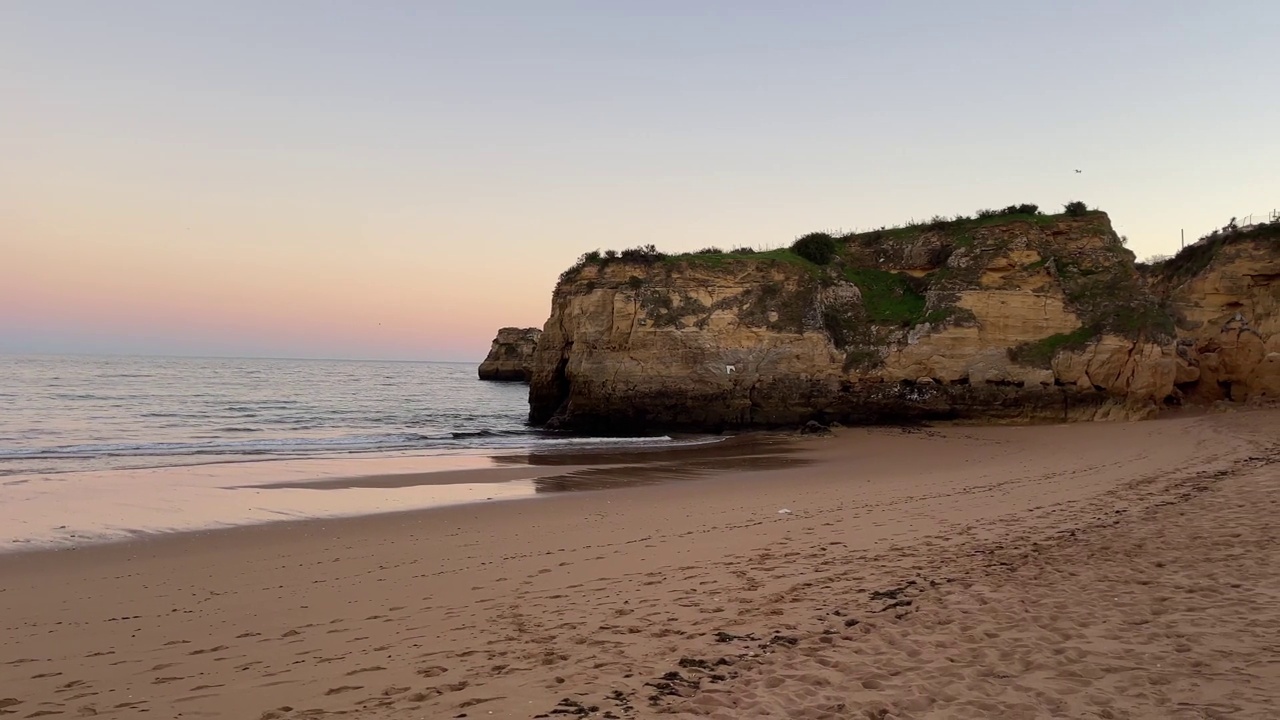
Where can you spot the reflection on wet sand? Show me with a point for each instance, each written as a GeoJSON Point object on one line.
{"type": "Point", "coordinates": [654, 473]}
{"type": "Point", "coordinates": [732, 446]}
{"type": "Point", "coordinates": [582, 469]}
{"type": "Point", "coordinates": [115, 504]}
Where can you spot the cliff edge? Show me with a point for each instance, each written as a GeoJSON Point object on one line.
{"type": "Point", "coordinates": [1013, 316]}
{"type": "Point", "coordinates": [510, 355]}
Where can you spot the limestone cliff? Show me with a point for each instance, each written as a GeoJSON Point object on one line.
{"type": "Point", "coordinates": [510, 355]}
{"type": "Point", "coordinates": [1224, 292]}
{"type": "Point", "coordinates": [1007, 318]}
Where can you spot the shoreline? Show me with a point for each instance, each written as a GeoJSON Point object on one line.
{"type": "Point", "coordinates": [123, 505]}
{"type": "Point", "coordinates": [902, 548]}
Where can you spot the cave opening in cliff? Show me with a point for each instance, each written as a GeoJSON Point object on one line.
{"type": "Point", "coordinates": [561, 384]}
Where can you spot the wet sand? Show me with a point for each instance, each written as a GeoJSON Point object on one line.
{"type": "Point", "coordinates": [1104, 570]}
{"type": "Point", "coordinates": [78, 508]}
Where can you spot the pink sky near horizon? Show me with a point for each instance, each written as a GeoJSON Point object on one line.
{"type": "Point", "coordinates": [267, 297]}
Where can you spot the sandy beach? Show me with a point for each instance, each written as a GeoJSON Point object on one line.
{"type": "Point", "coordinates": [1084, 571]}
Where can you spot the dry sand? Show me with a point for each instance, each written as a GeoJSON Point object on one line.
{"type": "Point", "coordinates": [1110, 571]}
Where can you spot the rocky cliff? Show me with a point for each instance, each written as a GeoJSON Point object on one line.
{"type": "Point", "coordinates": [511, 355]}
{"type": "Point", "coordinates": [1014, 317]}
{"type": "Point", "coordinates": [1224, 293]}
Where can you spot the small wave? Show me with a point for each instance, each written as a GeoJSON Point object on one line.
{"type": "Point", "coordinates": [213, 447]}
{"type": "Point", "coordinates": [478, 439]}
{"type": "Point", "coordinates": [609, 440]}
{"type": "Point", "coordinates": [466, 434]}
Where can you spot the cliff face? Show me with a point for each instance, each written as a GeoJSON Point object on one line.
{"type": "Point", "coordinates": [1225, 294]}
{"type": "Point", "coordinates": [511, 354]}
{"type": "Point", "coordinates": [1004, 319]}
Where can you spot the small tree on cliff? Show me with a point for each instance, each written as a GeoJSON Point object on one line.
{"type": "Point", "coordinates": [1075, 208]}
{"type": "Point", "coordinates": [818, 248]}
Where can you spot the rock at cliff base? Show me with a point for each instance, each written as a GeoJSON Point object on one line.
{"type": "Point", "coordinates": [813, 427]}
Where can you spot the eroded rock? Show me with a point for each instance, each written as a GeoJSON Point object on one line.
{"type": "Point", "coordinates": [511, 354]}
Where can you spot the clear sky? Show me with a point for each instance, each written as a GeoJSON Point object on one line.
{"type": "Point", "coordinates": [398, 179]}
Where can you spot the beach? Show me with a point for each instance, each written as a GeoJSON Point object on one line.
{"type": "Point", "coordinates": [1110, 570]}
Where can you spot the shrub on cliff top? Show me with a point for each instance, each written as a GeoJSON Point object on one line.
{"type": "Point", "coordinates": [1194, 258]}
{"type": "Point", "coordinates": [646, 254]}
{"type": "Point", "coordinates": [817, 248]}
{"type": "Point", "coordinates": [1075, 208]}
{"type": "Point", "coordinates": [1023, 209]}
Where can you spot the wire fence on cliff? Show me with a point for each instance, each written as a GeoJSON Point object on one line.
{"type": "Point", "coordinates": [1259, 218]}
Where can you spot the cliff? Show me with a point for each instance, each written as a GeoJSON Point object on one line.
{"type": "Point", "coordinates": [1224, 293]}
{"type": "Point", "coordinates": [1015, 317]}
{"type": "Point", "coordinates": [511, 354]}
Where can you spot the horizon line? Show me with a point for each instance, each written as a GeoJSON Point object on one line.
{"type": "Point", "coordinates": [170, 356]}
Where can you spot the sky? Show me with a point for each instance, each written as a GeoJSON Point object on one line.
{"type": "Point", "coordinates": [396, 180]}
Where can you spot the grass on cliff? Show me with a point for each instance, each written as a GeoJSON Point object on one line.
{"type": "Point", "coordinates": [888, 297]}
{"type": "Point", "coordinates": [721, 259]}
{"type": "Point", "coordinates": [714, 257]}
{"type": "Point", "coordinates": [959, 230]}
{"type": "Point", "coordinates": [1194, 258]}
{"type": "Point", "coordinates": [1040, 353]}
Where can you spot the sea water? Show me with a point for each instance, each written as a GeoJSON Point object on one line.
{"type": "Point", "coordinates": [99, 447]}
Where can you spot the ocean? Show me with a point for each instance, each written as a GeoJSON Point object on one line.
{"type": "Point", "coordinates": [99, 448]}
{"type": "Point", "coordinates": [67, 414]}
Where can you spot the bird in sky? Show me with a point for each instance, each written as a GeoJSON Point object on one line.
{"type": "Point", "coordinates": [1079, 171]}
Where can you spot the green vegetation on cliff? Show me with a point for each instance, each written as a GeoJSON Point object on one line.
{"type": "Point", "coordinates": [1197, 256]}
{"type": "Point", "coordinates": [720, 258]}
{"type": "Point", "coordinates": [819, 248]}
{"type": "Point", "coordinates": [1041, 352]}
{"type": "Point", "coordinates": [890, 298]}
{"type": "Point", "coordinates": [914, 274]}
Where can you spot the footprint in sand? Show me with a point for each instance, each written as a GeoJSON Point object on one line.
{"type": "Point", "coordinates": [433, 671]}
{"type": "Point", "coordinates": [342, 689]}
{"type": "Point", "coordinates": [216, 648]}
{"type": "Point", "coordinates": [394, 690]}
